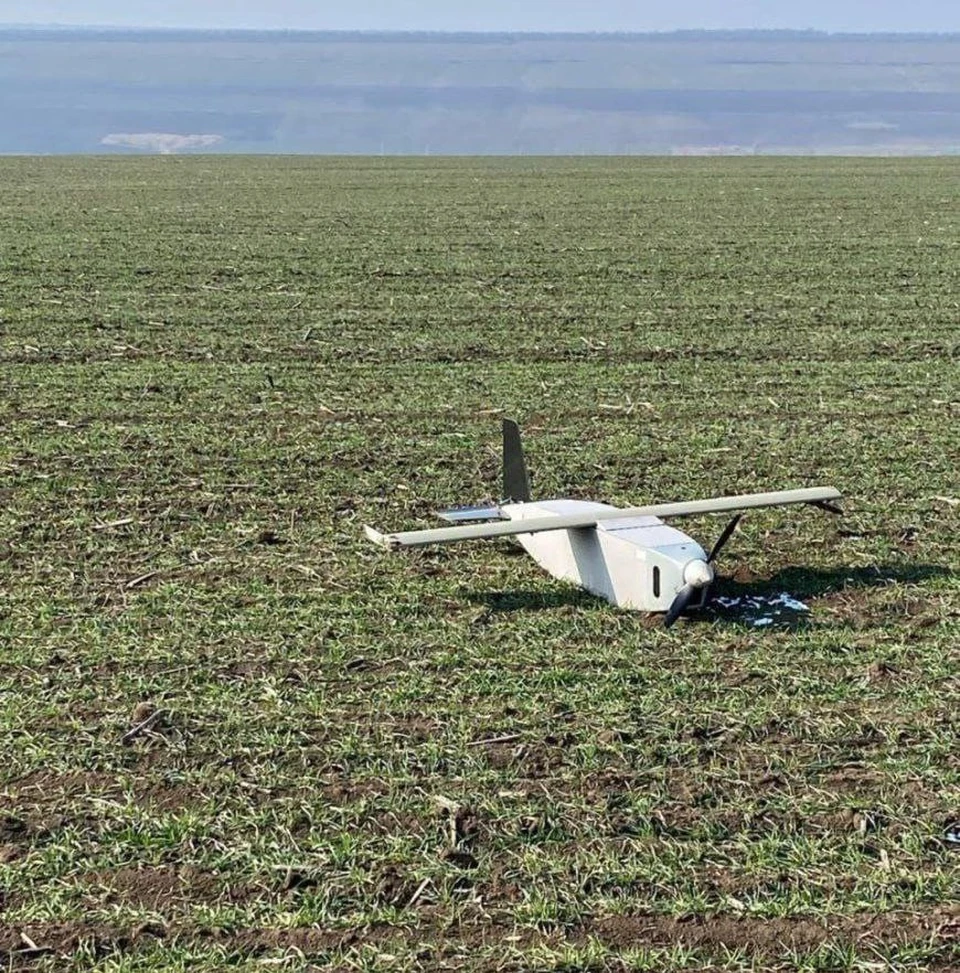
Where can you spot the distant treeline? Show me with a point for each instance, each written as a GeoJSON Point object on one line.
{"type": "Point", "coordinates": [73, 90]}
{"type": "Point", "coordinates": [55, 32]}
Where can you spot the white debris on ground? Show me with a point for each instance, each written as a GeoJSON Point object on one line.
{"type": "Point", "coordinates": [763, 610]}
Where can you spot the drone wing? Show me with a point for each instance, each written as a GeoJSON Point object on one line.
{"type": "Point", "coordinates": [819, 496]}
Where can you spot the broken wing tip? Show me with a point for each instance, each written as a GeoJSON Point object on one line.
{"type": "Point", "coordinates": [381, 540]}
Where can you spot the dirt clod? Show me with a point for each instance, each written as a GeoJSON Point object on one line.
{"type": "Point", "coordinates": [142, 711]}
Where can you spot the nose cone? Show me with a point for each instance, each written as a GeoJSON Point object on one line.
{"type": "Point", "coordinates": [698, 574]}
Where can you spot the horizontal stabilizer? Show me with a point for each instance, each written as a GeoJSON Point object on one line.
{"type": "Point", "coordinates": [459, 515]}
{"type": "Point", "coordinates": [535, 525]}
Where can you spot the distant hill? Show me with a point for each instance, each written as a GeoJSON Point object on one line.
{"type": "Point", "coordinates": [95, 90]}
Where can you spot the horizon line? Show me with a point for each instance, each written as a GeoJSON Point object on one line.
{"type": "Point", "coordinates": [814, 31]}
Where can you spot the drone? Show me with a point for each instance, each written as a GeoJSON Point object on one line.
{"type": "Point", "coordinates": [626, 555]}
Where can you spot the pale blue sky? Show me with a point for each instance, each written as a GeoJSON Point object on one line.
{"type": "Point", "coordinates": [543, 15]}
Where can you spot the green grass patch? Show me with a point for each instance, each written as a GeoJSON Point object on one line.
{"type": "Point", "coordinates": [215, 371]}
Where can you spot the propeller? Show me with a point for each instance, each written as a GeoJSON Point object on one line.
{"type": "Point", "coordinates": [697, 575]}
{"type": "Point", "coordinates": [679, 604]}
{"type": "Point", "coordinates": [723, 538]}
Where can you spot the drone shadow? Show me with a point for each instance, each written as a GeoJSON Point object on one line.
{"type": "Point", "coordinates": [820, 582]}
{"type": "Point", "coordinates": [754, 602]}
{"type": "Point", "coordinates": [524, 600]}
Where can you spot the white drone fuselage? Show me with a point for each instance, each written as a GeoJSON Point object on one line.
{"type": "Point", "coordinates": [638, 563]}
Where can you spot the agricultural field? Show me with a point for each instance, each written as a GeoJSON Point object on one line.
{"type": "Point", "coordinates": [235, 734]}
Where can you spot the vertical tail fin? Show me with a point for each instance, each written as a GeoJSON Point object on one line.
{"type": "Point", "coordinates": [516, 483]}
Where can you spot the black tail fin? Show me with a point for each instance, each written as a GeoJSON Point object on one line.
{"type": "Point", "coordinates": [516, 483]}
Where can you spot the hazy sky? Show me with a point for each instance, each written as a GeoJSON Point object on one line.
{"type": "Point", "coordinates": [546, 15]}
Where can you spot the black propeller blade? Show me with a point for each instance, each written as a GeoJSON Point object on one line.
{"type": "Point", "coordinates": [679, 605]}
{"type": "Point", "coordinates": [723, 538]}
{"type": "Point", "coordinates": [688, 592]}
